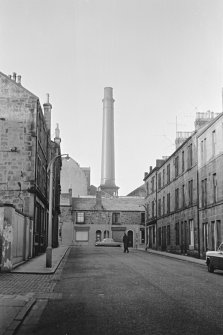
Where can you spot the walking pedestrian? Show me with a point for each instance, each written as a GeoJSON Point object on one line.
{"type": "Point", "coordinates": [126, 243]}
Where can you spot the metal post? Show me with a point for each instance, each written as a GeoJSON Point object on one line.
{"type": "Point", "coordinates": [50, 226]}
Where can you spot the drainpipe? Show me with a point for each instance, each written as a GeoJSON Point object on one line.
{"type": "Point", "coordinates": [156, 213]}
{"type": "Point", "coordinates": [198, 216]}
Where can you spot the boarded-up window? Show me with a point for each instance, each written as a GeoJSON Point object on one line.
{"type": "Point", "coordinates": [117, 235]}
{"type": "Point", "coordinates": [81, 235]}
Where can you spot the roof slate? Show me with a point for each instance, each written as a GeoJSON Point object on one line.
{"type": "Point", "coordinates": [109, 204]}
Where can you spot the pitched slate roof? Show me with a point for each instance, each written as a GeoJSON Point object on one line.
{"type": "Point", "coordinates": [109, 204]}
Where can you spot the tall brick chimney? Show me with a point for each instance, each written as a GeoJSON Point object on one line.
{"type": "Point", "coordinates": [47, 112]}
{"type": "Point", "coordinates": [108, 150]}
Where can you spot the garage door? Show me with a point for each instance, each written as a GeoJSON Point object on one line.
{"type": "Point", "coordinates": [81, 236]}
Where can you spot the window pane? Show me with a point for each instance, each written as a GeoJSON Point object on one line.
{"type": "Point", "coordinates": [80, 217]}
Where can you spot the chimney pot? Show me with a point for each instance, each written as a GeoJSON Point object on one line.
{"type": "Point", "coordinates": [47, 98]}
{"type": "Point", "coordinates": [150, 168]}
{"type": "Point", "coordinates": [14, 76]}
{"type": "Point", "coordinates": [10, 76]}
{"type": "Point", "coordinates": [19, 80]}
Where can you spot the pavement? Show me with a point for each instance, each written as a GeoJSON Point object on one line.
{"type": "Point", "coordinates": [15, 307]}
{"type": "Point", "coordinates": [180, 257]}
{"type": "Point", "coordinates": [19, 289]}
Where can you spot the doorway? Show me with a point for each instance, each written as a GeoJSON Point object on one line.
{"type": "Point", "coordinates": [130, 237]}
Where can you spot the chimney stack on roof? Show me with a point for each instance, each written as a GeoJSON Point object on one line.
{"type": "Point", "coordinates": [57, 138]}
{"type": "Point", "coordinates": [47, 112]}
{"type": "Point", "coordinates": [19, 80]}
{"type": "Point", "coordinates": [14, 76]}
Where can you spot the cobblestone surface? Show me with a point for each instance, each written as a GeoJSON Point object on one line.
{"type": "Point", "coordinates": [13, 283]}
{"type": "Point", "coordinates": [21, 284]}
{"type": "Point", "coordinates": [24, 296]}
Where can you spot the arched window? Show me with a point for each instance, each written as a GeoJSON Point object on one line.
{"type": "Point", "coordinates": [98, 235]}
{"type": "Point", "coordinates": [106, 234]}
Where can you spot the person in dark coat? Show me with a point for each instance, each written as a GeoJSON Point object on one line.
{"type": "Point", "coordinates": [126, 243]}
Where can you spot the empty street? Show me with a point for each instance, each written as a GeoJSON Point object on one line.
{"type": "Point", "coordinates": [105, 291]}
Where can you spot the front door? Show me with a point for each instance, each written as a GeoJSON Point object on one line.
{"type": "Point", "coordinates": [130, 236]}
{"type": "Point", "coordinates": [163, 238]}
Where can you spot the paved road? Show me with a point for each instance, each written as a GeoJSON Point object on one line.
{"type": "Point", "coordinates": [104, 291]}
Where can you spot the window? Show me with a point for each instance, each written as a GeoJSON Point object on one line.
{"type": "Point", "coordinates": [205, 236]}
{"type": "Point", "coordinates": [147, 188]}
{"type": "Point", "coordinates": [159, 237]}
{"type": "Point", "coordinates": [39, 164]}
{"type": "Point", "coordinates": [202, 152]}
{"type": "Point", "coordinates": [154, 234]}
{"type": "Point", "coordinates": [204, 192]}
{"type": "Point", "coordinates": [177, 233]}
{"type": "Point", "coordinates": [159, 181]}
{"type": "Point", "coordinates": [191, 223]}
{"type": "Point", "coordinates": [153, 208]}
{"type": "Point", "coordinates": [80, 217]}
{"type": "Point", "coordinates": [98, 235]}
{"type": "Point", "coordinates": [176, 166]}
{"type": "Point", "coordinates": [115, 218]}
{"type": "Point", "coordinates": [168, 173]}
{"type": "Point", "coordinates": [168, 203]}
{"type": "Point", "coordinates": [213, 142]}
{"type": "Point", "coordinates": [163, 177]}
{"type": "Point", "coordinates": [182, 161]}
{"type": "Point", "coordinates": [81, 236]}
{"type": "Point", "coordinates": [205, 150]}
{"type": "Point", "coordinates": [183, 195]}
{"type": "Point", "coordinates": [143, 217]}
{"type": "Point", "coordinates": [176, 199]}
{"type": "Point", "coordinates": [214, 187]}
{"type": "Point", "coordinates": [190, 156]}
{"type": "Point", "coordinates": [159, 207]}
{"type": "Point", "coordinates": [142, 236]}
{"type": "Point", "coordinates": [168, 235]}
{"type": "Point", "coordinates": [163, 205]}
{"type": "Point", "coordinates": [106, 234]}
{"type": "Point", "coordinates": [153, 184]}
{"type": "Point", "coordinates": [190, 192]}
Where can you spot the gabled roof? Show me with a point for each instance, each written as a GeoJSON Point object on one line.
{"type": "Point", "coordinates": [17, 84]}
{"type": "Point", "coordinates": [109, 204]}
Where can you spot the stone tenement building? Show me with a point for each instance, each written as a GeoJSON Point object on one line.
{"type": "Point", "coordinates": [25, 151]}
{"type": "Point", "coordinates": [185, 193]}
{"type": "Point", "coordinates": [85, 220]}
{"type": "Point", "coordinates": [210, 181]}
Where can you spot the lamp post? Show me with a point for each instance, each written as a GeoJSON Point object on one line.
{"type": "Point", "coordinates": [49, 244]}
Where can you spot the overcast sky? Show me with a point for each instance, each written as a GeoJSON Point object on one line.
{"type": "Point", "coordinates": [163, 58]}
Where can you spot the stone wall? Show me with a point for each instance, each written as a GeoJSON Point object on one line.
{"type": "Point", "coordinates": [15, 238]}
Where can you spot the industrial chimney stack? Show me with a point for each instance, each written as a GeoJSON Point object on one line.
{"type": "Point", "coordinates": [108, 149]}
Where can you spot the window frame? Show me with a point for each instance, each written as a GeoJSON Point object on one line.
{"type": "Point", "coordinates": [80, 215]}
